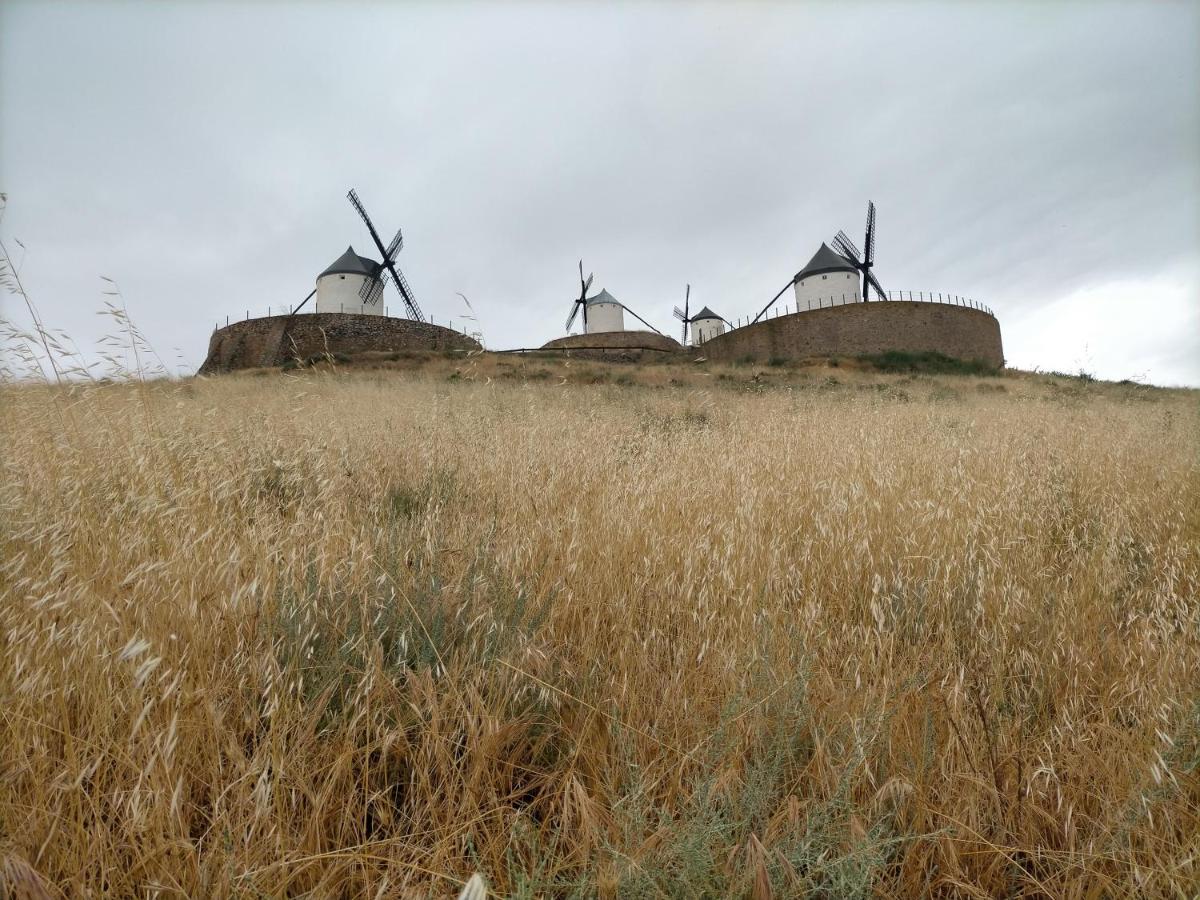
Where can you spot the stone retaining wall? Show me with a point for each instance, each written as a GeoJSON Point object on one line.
{"type": "Point", "coordinates": [856, 329]}
{"type": "Point", "coordinates": [272, 340]}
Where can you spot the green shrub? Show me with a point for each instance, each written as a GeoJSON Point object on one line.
{"type": "Point", "coordinates": [928, 361]}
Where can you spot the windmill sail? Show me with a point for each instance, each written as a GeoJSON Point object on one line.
{"type": "Point", "coordinates": [843, 245]}
{"type": "Point", "coordinates": [862, 261]}
{"type": "Point", "coordinates": [682, 314]}
{"type": "Point", "coordinates": [371, 290]}
{"type": "Point", "coordinates": [402, 285]}
{"type": "Point", "coordinates": [396, 245]}
{"type": "Point", "coordinates": [581, 300]}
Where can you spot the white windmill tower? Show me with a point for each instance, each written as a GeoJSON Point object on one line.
{"type": "Point", "coordinates": [706, 324]}
{"type": "Point", "coordinates": [603, 313]}
{"type": "Point", "coordinates": [828, 278]}
{"type": "Point", "coordinates": [351, 284]}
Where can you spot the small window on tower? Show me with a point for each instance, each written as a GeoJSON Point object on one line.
{"type": "Point", "coordinates": [343, 277]}
{"type": "Point", "coordinates": [823, 277]}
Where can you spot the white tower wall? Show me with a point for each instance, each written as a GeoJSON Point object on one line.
{"type": "Point", "coordinates": [338, 292]}
{"type": "Point", "coordinates": [605, 317]}
{"type": "Point", "coordinates": [705, 329]}
{"type": "Point", "coordinates": [840, 287]}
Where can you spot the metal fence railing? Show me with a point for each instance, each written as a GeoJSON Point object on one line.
{"type": "Point", "coordinates": [788, 309]}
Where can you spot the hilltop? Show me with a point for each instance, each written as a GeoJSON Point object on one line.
{"type": "Point", "coordinates": [902, 375]}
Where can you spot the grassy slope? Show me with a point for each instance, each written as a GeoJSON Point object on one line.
{"type": "Point", "coordinates": [621, 630]}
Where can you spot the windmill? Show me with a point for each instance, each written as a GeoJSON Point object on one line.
{"type": "Point", "coordinates": [372, 288]}
{"type": "Point", "coordinates": [682, 314]}
{"type": "Point", "coordinates": [606, 309]}
{"type": "Point", "coordinates": [846, 248]}
{"type": "Point", "coordinates": [582, 300]}
{"type": "Point", "coordinates": [690, 321]}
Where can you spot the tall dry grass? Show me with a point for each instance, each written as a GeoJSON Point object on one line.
{"type": "Point", "coordinates": [366, 635]}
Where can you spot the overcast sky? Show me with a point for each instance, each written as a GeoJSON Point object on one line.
{"type": "Point", "coordinates": [1042, 158]}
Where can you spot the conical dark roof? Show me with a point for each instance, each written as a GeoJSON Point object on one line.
{"type": "Point", "coordinates": [603, 297]}
{"type": "Point", "coordinates": [706, 313]}
{"type": "Point", "coordinates": [350, 263]}
{"type": "Point", "coordinates": [826, 260]}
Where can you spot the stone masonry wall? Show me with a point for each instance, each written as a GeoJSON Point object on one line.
{"type": "Point", "coordinates": [864, 328]}
{"type": "Point", "coordinates": [272, 340]}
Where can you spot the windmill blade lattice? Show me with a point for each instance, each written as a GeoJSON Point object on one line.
{"type": "Point", "coordinates": [396, 245]}
{"type": "Point", "coordinates": [581, 300]}
{"type": "Point", "coordinates": [875, 284]}
{"type": "Point", "coordinates": [843, 245]}
{"type": "Point", "coordinates": [682, 317]}
{"type": "Point", "coordinates": [863, 262]}
{"type": "Point", "coordinates": [398, 278]}
{"type": "Point", "coordinates": [371, 290]}
{"type": "Point", "coordinates": [682, 314]}
{"type": "Point", "coordinates": [870, 241]}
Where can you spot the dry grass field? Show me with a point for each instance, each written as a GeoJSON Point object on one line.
{"type": "Point", "coordinates": [819, 633]}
